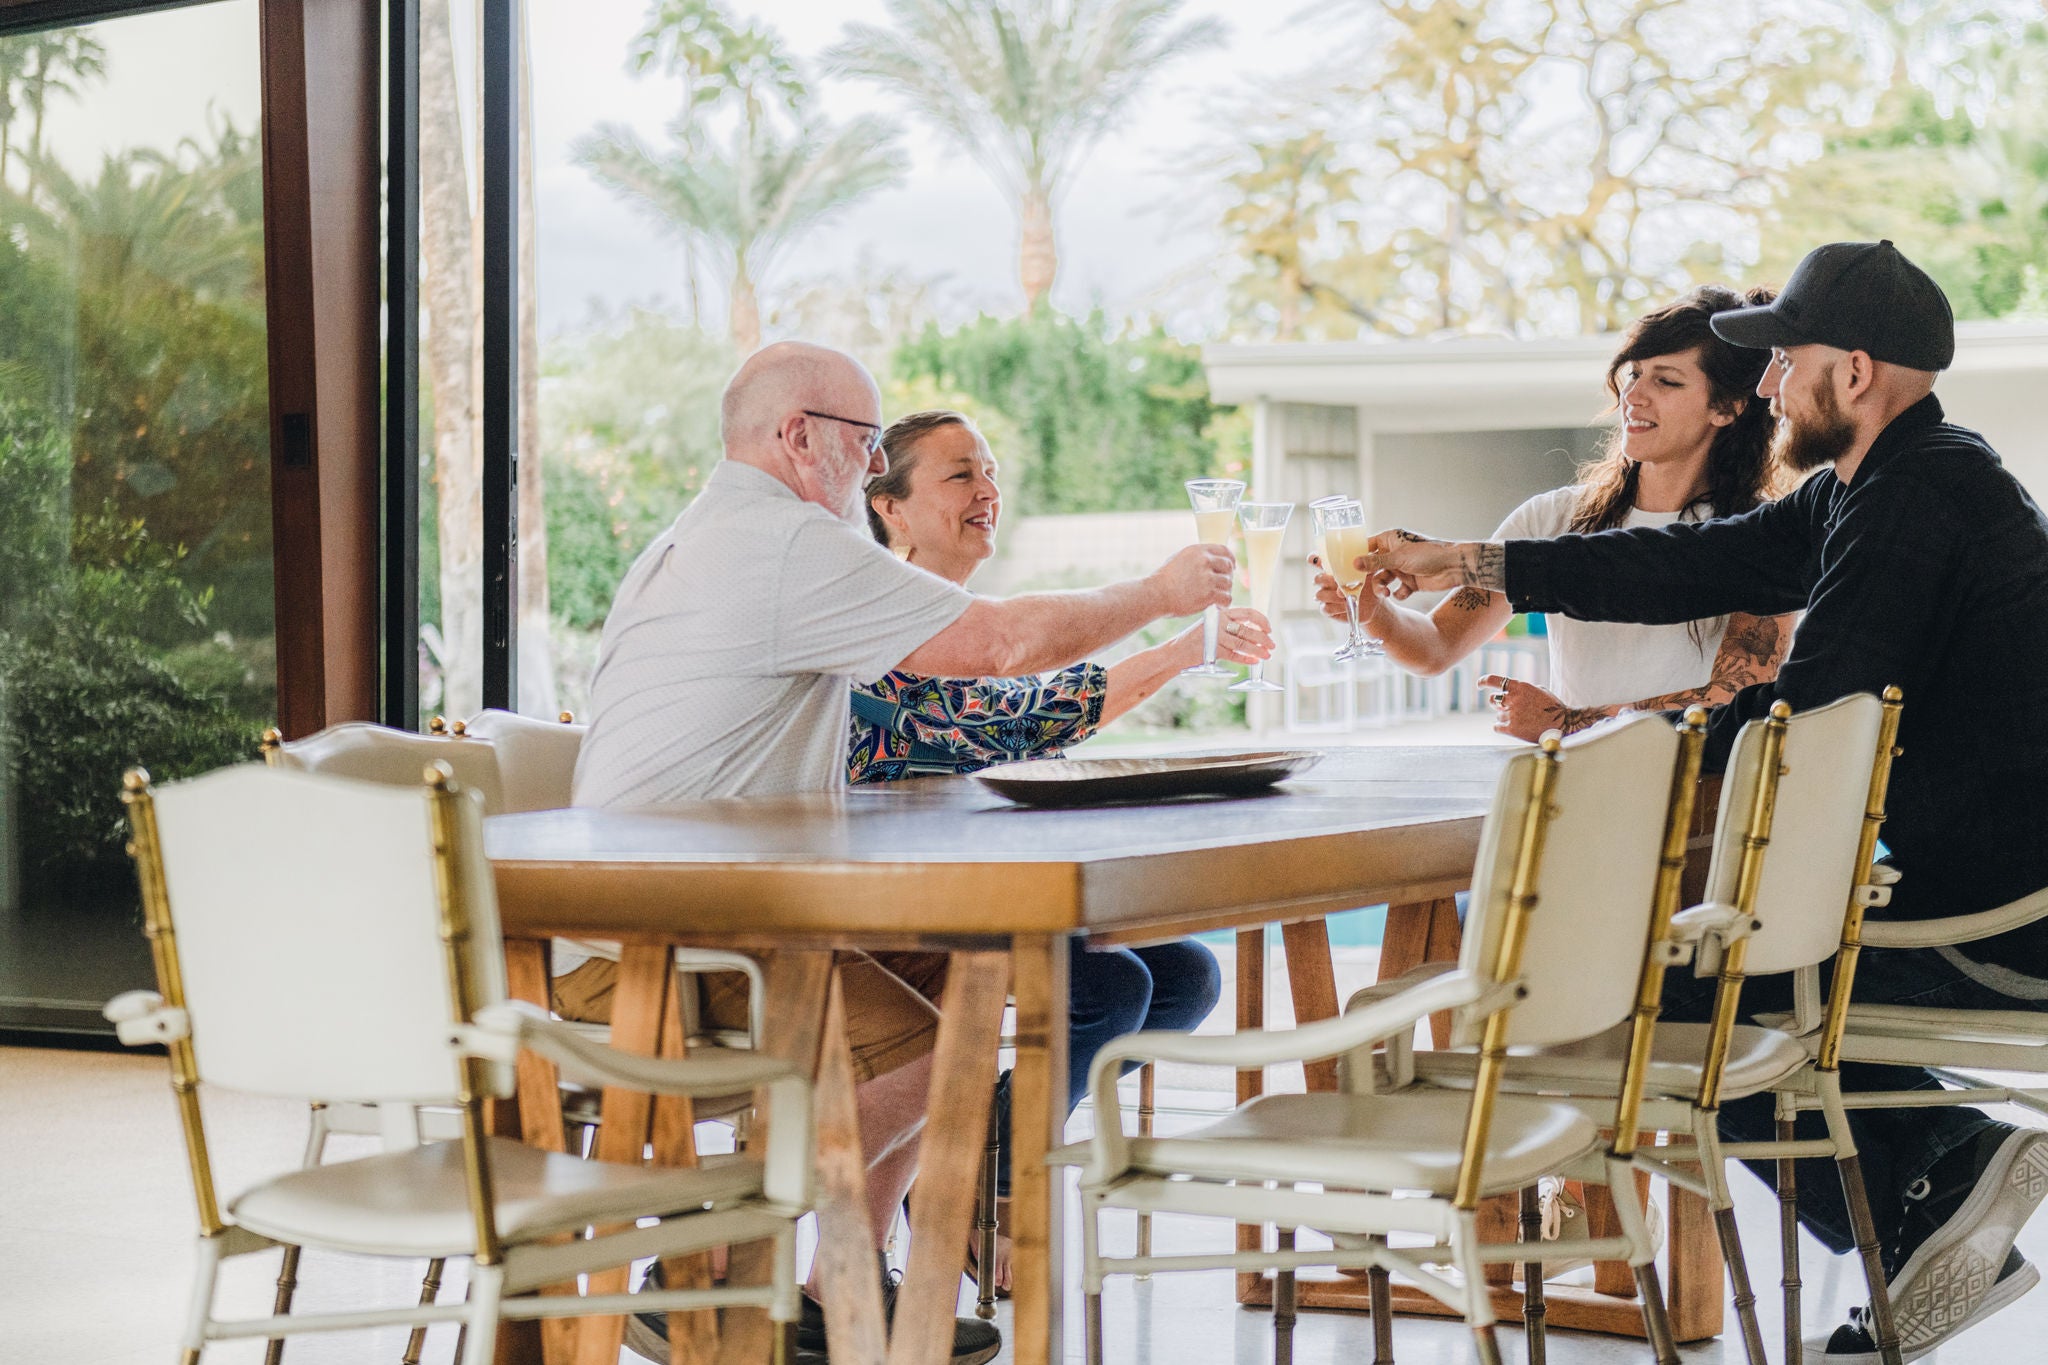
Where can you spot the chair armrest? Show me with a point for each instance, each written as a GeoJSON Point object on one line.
{"type": "Point", "coordinates": [1399, 1069]}
{"type": "Point", "coordinates": [141, 1018]}
{"type": "Point", "coordinates": [703, 961]}
{"type": "Point", "coordinates": [1712, 919]}
{"type": "Point", "coordinates": [1933, 933]}
{"type": "Point", "coordinates": [500, 1030]}
{"type": "Point", "coordinates": [1265, 1047]}
{"type": "Point", "coordinates": [1393, 986]}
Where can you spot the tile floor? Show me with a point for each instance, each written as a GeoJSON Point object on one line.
{"type": "Point", "coordinates": [95, 1250]}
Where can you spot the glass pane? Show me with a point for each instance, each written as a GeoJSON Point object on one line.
{"type": "Point", "coordinates": [135, 569]}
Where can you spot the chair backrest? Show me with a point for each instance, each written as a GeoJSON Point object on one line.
{"type": "Point", "coordinates": [1810, 865]}
{"type": "Point", "coordinates": [536, 758]}
{"type": "Point", "coordinates": [307, 918]}
{"type": "Point", "coordinates": [378, 753]}
{"type": "Point", "coordinates": [1595, 881]}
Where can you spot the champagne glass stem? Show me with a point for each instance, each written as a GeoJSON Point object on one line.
{"type": "Point", "coordinates": [1212, 622]}
{"type": "Point", "coordinates": [1357, 640]}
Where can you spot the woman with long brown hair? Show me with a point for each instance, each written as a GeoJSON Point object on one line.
{"type": "Point", "coordinates": [1693, 442]}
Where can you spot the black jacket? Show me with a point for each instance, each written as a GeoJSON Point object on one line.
{"type": "Point", "coordinates": [1929, 570]}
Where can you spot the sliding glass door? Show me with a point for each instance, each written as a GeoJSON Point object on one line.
{"type": "Point", "coordinates": [136, 607]}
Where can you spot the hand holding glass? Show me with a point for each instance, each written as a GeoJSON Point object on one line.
{"type": "Point", "coordinates": [1215, 503]}
{"type": "Point", "coordinates": [1265, 528]}
{"type": "Point", "coordinates": [1341, 538]}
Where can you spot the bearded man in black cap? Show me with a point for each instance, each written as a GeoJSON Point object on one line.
{"type": "Point", "coordinates": [1918, 561]}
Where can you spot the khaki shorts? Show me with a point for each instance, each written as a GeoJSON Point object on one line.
{"type": "Point", "coordinates": [888, 1020]}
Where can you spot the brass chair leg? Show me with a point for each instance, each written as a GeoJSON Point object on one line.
{"type": "Point", "coordinates": [784, 1347]}
{"type": "Point", "coordinates": [1380, 1285]}
{"type": "Point", "coordinates": [1788, 1243]}
{"type": "Point", "coordinates": [1147, 1095]}
{"type": "Point", "coordinates": [1886, 1330]}
{"type": "Point", "coordinates": [1094, 1328]}
{"type": "Point", "coordinates": [1284, 1305]}
{"type": "Point", "coordinates": [985, 1229]}
{"type": "Point", "coordinates": [430, 1289]}
{"type": "Point", "coordinates": [1656, 1322]}
{"type": "Point", "coordinates": [1533, 1309]}
{"type": "Point", "coordinates": [1738, 1287]}
{"type": "Point", "coordinates": [287, 1285]}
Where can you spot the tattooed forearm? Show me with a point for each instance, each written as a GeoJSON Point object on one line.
{"type": "Point", "coordinates": [1572, 719]}
{"type": "Point", "coordinates": [1751, 649]}
{"type": "Point", "coordinates": [1484, 564]}
{"type": "Point", "coordinates": [1471, 599]}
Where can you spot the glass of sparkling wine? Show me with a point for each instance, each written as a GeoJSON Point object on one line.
{"type": "Point", "coordinates": [1265, 527]}
{"type": "Point", "coordinates": [1341, 538]}
{"type": "Point", "coordinates": [1215, 503]}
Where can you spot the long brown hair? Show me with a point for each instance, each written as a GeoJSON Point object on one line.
{"type": "Point", "coordinates": [1739, 470]}
{"type": "Point", "coordinates": [899, 443]}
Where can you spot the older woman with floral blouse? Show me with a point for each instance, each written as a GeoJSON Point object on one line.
{"type": "Point", "coordinates": [938, 507]}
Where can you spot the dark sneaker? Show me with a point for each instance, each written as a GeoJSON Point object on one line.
{"type": "Point", "coordinates": [1855, 1341]}
{"type": "Point", "coordinates": [1956, 1263]}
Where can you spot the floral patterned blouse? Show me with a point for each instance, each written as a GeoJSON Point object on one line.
{"type": "Point", "coordinates": [909, 726]}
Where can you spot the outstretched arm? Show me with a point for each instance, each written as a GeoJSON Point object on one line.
{"type": "Point", "coordinates": [1038, 632]}
{"type": "Point", "coordinates": [1431, 644]}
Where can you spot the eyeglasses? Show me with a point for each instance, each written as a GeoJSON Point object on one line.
{"type": "Point", "coordinates": [873, 441]}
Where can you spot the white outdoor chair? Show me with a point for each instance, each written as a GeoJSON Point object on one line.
{"type": "Point", "coordinates": [1573, 872]}
{"type": "Point", "coordinates": [537, 761]}
{"type": "Point", "coordinates": [1788, 880]}
{"type": "Point", "coordinates": [330, 939]}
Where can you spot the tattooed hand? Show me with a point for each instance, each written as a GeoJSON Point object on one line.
{"type": "Point", "coordinates": [1526, 711]}
{"type": "Point", "coordinates": [1406, 563]}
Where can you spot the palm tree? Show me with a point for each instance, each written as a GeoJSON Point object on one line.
{"type": "Point", "coordinates": [743, 197]}
{"type": "Point", "coordinates": [1025, 87]}
{"type": "Point", "coordinates": [35, 66]}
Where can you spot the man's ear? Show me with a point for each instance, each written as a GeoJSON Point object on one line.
{"type": "Point", "coordinates": [1859, 375]}
{"type": "Point", "coordinates": [796, 434]}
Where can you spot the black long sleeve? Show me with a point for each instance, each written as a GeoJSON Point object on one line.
{"type": "Point", "coordinates": [1928, 571]}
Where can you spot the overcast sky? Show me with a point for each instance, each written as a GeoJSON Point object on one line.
{"type": "Point", "coordinates": [1134, 234]}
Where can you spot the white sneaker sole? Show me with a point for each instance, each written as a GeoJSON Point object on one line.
{"type": "Point", "coordinates": [2000, 1295]}
{"type": "Point", "coordinates": [1940, 1288]}
{"type": "Point", "coordinates": [1951, 1280]}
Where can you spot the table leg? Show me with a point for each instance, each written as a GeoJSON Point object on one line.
{"type": "Point", "coordinates": [540, 1125]}
{"type": "Point", "coordinates": [846, 1276]}
{"type": "Point", "coordinates": [646, 977]}
{"type": "Point", "coordinates": [1251, 1014]}
{"type": "Point", "coordinates": [949, 1165]}
{"type": "Point", "coordinates": [1312, 980]}
{"type": "Point", "coordinates": [693, 1337]}
{"type": "Point", "coordinates": [1038, 1111]}
{"type": "Point", "coordinates": [797, 986]}
{"type": "Point", "coordinates": [1419, 932]}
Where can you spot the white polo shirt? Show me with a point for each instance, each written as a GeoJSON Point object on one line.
{"type": "Point", "coordinates": [731, 649]}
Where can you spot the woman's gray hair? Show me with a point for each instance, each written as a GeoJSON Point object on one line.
{"type": "Point", "coordinates": [899, 443]}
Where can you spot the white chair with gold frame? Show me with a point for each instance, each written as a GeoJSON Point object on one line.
{"type": "Point", "coordinates": [385, 985]}
{"type": "Point", "coordinates": [1576, 865]}
{"type": "Point", "coordinates": [1788, 880]}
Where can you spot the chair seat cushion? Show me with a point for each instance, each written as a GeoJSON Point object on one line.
{"type": "Point", "coordinates": [415, 1203]}
{"type": "Point", "coordinates": [1380, 1142]}
{"type": "Point", "coordinates": [1758, 1058]}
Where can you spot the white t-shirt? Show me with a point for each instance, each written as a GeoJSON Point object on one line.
{"type": "Point", "coordinates": [1606, 663]}
{"type": "Point", "coordinates": [730, 651]}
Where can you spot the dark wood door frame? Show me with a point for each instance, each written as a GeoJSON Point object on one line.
{"type": "Point", "coordinates": [322, 176]}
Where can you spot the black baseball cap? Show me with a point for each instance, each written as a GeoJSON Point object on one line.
{"type": "Point", "coordinates": [1855, 296]}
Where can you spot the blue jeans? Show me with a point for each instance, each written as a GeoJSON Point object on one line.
{"type": "Point", "coordinates": [1896, 1146]}
{"type": "Point", "coordinates": [1114, 991]}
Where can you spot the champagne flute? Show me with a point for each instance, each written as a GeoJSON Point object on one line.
{"type": "Point", "coordinates": [1341, 537]}
{"type": "Point", "coordinates": [1215, 503]}
{"type": "Point", "coordinates": [1265, 528]}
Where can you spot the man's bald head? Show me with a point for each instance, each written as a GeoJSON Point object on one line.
{"type": "Point", "coordinates": [780, 381]}
{"type": "Point", "coordinates": [804, 414]}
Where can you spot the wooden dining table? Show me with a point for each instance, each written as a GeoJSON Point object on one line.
{"type": "Point", "coordinates": [946, 865]}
